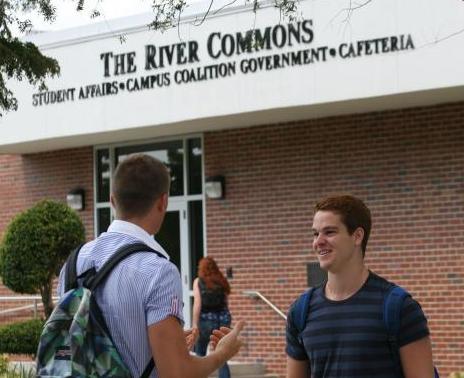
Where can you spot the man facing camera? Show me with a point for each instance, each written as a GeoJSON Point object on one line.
{"type": "Point", "coordinates": [341, 331]}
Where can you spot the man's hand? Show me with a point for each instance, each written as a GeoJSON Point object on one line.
{"type": "Point", "coordinates": [217, 335]}
{"type": "Point", "coordinates": [172, 358]}
{"type": "Point", "coordinates": [227, 341]}
{"type": "Point", "coordinates": [191, 337]}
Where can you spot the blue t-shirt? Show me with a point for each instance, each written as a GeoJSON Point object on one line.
{"type": "Point", "coordinates": [348, 338]}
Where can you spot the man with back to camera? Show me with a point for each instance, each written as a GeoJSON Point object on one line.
{"type": "Point", "coordinates": [141, 300]}
{"type": "Point", "coordinates": [344, 334]}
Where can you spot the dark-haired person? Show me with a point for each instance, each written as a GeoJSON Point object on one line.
{"type": "Point", "coordinates": [210, 311]}
{"type": "Point", "coordinates": [344, 334]}
{"type": "Point", "coordinates": [141, 298]}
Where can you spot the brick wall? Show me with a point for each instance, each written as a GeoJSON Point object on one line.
{"type": "Point", "coordinates": [26, 179]}
{"type": "Point", "coordinates": [408, 166]}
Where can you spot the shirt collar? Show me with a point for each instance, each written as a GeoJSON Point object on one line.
{"type": "Point", "coordinates": [131, 229]}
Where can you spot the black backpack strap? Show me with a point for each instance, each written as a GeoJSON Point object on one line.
{"type": "Point", "coordinates": [70, 277]}
{"type": "Point", "coordinates": [114, 260]}
{"type": "Point", "coordinates": [392, 305]}
{"type": "Point", "coordinates": [106, 269]}
{"type": "Point", "coordinates": [151, 365]}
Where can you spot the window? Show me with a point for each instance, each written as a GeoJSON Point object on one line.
{"type": "Point", "coordinates": [184, 159]}
{"type": "Point", "coordinates": [195, 210]}
{"type": "Point", "coordinates": [103, 175]}
{"type": "Point", "coordinates": [170, 153]}
{"type": "Point", "coordinates": [315, 274]}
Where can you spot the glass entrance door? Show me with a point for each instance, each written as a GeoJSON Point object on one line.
{"type": "Point", "coordinates": [173, 237]}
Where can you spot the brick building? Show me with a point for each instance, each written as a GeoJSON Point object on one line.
{"type": "Point", "coordinates": [310, 110]}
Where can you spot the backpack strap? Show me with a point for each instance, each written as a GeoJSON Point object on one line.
{"type": "Point", "coordinates": [392, 305]}
{"type": "Point", "coordinates": [151, 365]}
{"type": "Point", "coordinates": [301, 310]}
{"type": "Point", "coordinates": [94, 280]}
{"type": "Point", "coordinates": [114, 260]}
{"type": "Point", "coordinates": [70, 277]}
{"type": "Point", "coordinates": [103, 272]}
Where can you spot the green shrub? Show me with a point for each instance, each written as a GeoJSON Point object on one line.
{"type": "Point", "coordinates": [36, 245]}
{"type": "Point", "coordinates": [21, 337]}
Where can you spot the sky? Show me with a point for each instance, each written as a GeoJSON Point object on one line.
{"type": "Point", "coordinates": [68, 17]}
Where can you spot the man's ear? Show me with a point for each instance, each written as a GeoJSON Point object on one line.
{"type": "Point", "coordinates": [162, 203]}
{"type": "Point", "coordinates": [112, 201]}
{"type": "Point", "coordinates": [358, 236]}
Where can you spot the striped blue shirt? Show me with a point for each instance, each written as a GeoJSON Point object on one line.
{"type": "Point", "coordinates": [348, 338]}
{"type": "Point", "coordinates": [142, 290]}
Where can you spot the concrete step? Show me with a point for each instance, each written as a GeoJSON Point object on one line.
{"type": "Point", "coordinates": [247, 370]}
{"type": "Point", "coordinates": [267, 375]}
{"type": "Point", "coordinates": [255, 376]}
{"type": "Point", "coordinates": [23, 368]}
{"type": "Point", "coordinates": [237, 369]}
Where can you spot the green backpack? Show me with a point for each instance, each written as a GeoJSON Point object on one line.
{"type": "Point", "coordinates": [75, 341]}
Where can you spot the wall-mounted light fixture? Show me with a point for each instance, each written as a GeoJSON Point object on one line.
{"type": "Point", "coordinates": [76, 199]}
{"type": "Point", "coordinates": [215, 187]}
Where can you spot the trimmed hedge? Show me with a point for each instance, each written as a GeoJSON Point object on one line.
{"type": "Point", "coordinates": [35, 246]}
{"type": "Point", "coordinates": [21, 337]}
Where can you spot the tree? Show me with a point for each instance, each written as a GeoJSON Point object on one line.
{"type": "Point", "coordinates": [18, 59]}
{"type": "Point", "coordinates": [22, 60]}
{"type": "Point", "coordinates": [35, 246]}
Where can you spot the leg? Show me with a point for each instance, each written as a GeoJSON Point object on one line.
{"type": "Point", "coordinates": [224, 321]}
{"type": "Point", "coordinates": [224, 371]}
{"type": "Point", "coordinates": [201, 346]}
{"type": "Point", "coordinates": [206, 327]}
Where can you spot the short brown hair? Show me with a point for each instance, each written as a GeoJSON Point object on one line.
{"type": "Point", "coordinates": [353, 213]}
{"type": "Point", "coordinates": [138, 182]}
